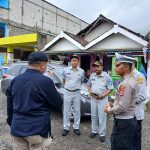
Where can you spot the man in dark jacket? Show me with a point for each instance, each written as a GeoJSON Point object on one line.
{"type": "Point", "coordinates": [30, 98]}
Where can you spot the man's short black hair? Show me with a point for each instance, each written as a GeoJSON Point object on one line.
{"type": "Point", "coordinates": [74, 56]}
{"type": "Point", "coordinates": [37, 57]}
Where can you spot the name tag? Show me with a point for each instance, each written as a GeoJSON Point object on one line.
{"type": "Point", "coordinates": [68, 73]}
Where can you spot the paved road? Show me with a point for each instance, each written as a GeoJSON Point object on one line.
{"type": "Point", "coordinates": [71, 142]}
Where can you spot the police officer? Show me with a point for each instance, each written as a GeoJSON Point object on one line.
{"type": "Point", "coordinates": [139, 109]}
{"type": "Point", "coordinates": [123, 109]}
{"type": "Point", "coordinates": [99, 86]}
{"type": "Point", "coordinates": [72, 78]}
{"type": "Point", "coordinates": [30, 98]}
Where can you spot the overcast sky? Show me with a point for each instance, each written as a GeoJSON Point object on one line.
{"type": "Point", "coordinates": [133, 14]}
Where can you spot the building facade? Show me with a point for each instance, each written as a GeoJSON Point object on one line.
{"type": "Point", "coordinates": [18, 17]}
{"type": "Point", "coordinates": [99, 41]}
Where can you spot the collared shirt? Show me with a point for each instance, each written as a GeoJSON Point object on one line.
{"type": "Point", "coordinates": [142, 94]}
{"type": "Point", "coordinates": [141, 81]}
{"type": "Point", "coordinates": [73, 77]}
{"type": "Point", "coordinates": [126, 97]}
{"type": "Point", "coordinates": [100, 83]}
{"type": "Point", "coordinates": [30, 99]}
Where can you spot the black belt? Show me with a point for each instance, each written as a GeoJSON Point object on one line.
{"type": "Point", "coordinates": [72, 90]}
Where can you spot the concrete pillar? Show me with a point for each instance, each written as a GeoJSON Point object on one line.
{"type": "Point", "coordinates": [10, 54]}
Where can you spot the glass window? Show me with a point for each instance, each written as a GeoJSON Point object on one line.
{"type": "Point", "coordinates": [2, 29]}
{"type": "Point", "coordinates": [55, 78]}
{"type": "Point", "coordinates": [2, 32]}
{"type": "Point", "coordinates": [23, 69]}
{"type": "Point", "coordinates": [59, 71]}
{"type": "Point", "coordinates": [16, 70]}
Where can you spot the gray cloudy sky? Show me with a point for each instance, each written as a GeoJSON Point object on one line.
{"type": "Point", "coordinates": [133, 14]}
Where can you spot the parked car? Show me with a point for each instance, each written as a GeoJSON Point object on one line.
{"type": "Point", "coordinates": [53, 71]}
{"type": "Point", "coordinates": [13, 71]}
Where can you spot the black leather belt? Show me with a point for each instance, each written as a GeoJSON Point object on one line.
{"type": "Point", "coordinates": [72, 90]}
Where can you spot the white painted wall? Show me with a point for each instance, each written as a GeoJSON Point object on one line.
{"type": "Point", "coordinates": [99, 30]}
{"type": "Point", "coordinates": [116, 41]}
{"type": "Point", "coordinates": [64, 45]}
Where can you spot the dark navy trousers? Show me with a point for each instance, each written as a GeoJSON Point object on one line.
{"type": "Point", "coordinates": [122, 137]}
{"type": "Point", "coordinates": [138, 136]}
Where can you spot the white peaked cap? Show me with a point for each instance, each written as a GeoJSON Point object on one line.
{"type": "Point", "coordinates": [124, 58]}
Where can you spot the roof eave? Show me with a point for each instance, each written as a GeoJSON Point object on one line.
{"type": "Point", "coordinates": [60, 36]}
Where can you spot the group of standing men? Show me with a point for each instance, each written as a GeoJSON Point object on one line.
{"type": "Point", "coordinates": [127, 109]}
{"type": "Point", "coordinates": [30, 106]}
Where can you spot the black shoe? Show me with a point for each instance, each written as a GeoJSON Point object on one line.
{"type": "Point", "coordinates": [77, 132]}
{"type": "Point", "coordinates": [65, 132]}
{"type": "Point", "coordinates": [93, 135]}
{"type": "Point", "coordinates": [102, 138]}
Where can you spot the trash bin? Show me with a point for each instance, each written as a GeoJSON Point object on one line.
{"type": "Point", "coordinates": [4, 69]}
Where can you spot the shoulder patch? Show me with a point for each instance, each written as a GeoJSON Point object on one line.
{"type": "Point", "coordinates": [122, 90]}
{"type": "Point", "coordinates": [139, 80]}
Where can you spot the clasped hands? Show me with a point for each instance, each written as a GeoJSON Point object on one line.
{"type": "Point", "coordinates": [108, 107]}
{"type": "Point", "coordinates": [96, 96]}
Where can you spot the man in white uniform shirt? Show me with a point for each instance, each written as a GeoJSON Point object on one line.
{"type": "Point", "coordinates": [99, 86]}
{"type": "Point", "coordinates": [139, 107]}
{"type": "Point", "coordinates": [72, 76]}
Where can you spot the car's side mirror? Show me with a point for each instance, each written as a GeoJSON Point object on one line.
{"type": "Point", "coordinates": [58, 85]}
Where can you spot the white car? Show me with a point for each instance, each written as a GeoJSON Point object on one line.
{"type": "Point", "coordinates": [53, 71]}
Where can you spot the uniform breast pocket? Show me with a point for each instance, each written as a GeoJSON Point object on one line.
{"type": "Point", "coordinates": [68, 76]}
{"type": "Point", "coordinates": [78, 76]}
{"type": "Point", "coordinates": [102, 82]}
{"type": "Point", "coordinates": [93, 81]}
{"type": "Point", "coordinates": [102, 85]}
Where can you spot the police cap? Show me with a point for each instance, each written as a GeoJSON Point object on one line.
{"type": "Point", "coordinates": [124, 58]}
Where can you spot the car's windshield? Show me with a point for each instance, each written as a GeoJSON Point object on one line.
{"type": "Point", "coordinates": [16, 70]}
{"type": "Point", "coordinates": [59, 71]}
